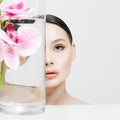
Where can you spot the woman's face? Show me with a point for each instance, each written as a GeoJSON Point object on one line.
{"type": "Point", "coordinates": [59, 55]}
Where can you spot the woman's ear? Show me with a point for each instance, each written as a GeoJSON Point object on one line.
{"type": "Point", "coordinates": [73, 51]}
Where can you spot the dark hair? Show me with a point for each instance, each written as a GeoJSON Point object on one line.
{"type": "Point", "coordinates": [57, 21]}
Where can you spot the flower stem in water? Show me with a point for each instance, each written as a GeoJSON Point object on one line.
{"type": "Point", "coordinates": [2, 74]}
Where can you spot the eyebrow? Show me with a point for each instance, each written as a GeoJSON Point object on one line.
{"type": "Point", "coordinates": [58, 40]}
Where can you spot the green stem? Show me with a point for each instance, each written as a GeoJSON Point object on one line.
{"type": "Point", "coordinates": [2, 74]}
{"type": "Point", "coordinates": [0, 1]}
{"type": "Point", "coordinates": [7, 22]}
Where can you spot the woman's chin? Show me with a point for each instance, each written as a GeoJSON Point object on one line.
{"type": "Point", "coordinates": [52, 83]}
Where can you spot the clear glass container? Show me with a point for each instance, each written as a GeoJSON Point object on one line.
{"type": "Point", "coordinates": [22, 56]}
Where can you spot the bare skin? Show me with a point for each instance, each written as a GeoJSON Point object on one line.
{"type": "Point", "coordinates": [59, 96]}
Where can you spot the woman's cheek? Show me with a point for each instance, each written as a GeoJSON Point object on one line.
{"type": "Point", "coordinates": [66, 63]}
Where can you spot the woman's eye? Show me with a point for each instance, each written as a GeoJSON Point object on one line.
{"type": "Point", "coordinates": [59, 48]}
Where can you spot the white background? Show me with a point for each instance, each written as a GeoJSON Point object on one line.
{"type": "Point", "coordinates": [95, 25]}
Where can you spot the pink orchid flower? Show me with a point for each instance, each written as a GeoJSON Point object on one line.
{"type": "Point", "coordinates": [15, 10]}
{"type": "Point", "coordinates": [27, 41]}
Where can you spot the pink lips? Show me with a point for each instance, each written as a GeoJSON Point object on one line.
{"type": "Point", "coordinates": [51, 74]}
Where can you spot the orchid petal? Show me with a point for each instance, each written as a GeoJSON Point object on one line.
{"type": "Point", "coordinates": [11, 32]}
{"type": "Point", "coordinates": [5, 37]}
{"type": "Point", "coordinates": [12, 57]}
{"type": "Point", "coordinates": [20, 5]}
{"type": "Point", "coordinates": [18, 17]}
{"type": "Point", "coordinates": [29, 40]}
{"type": "Point", "coordinates": [10, 28]}
{"type": "Point", "coordinates": [15, 9]}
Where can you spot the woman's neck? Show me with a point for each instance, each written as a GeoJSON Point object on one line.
{"type": "Point", "coordinates": [56, 95]}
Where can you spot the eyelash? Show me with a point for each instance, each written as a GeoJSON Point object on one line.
{"type": "Point", "coordinates": [59, 48]}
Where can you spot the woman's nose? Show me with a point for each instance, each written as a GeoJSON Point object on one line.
{"type": "Point", "coordinates": [48, 59]}
{"type": "Point", "coordinates": [48, 63]}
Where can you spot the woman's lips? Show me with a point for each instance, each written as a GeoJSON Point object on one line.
{"type": "Point", "coordinates": [51, 74]}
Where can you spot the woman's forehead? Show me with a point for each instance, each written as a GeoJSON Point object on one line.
{"type": "Point", "coordinates": [54, 32]}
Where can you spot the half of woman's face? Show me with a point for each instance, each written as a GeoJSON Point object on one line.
{"type": "Point", "coordinates": [59, 55]}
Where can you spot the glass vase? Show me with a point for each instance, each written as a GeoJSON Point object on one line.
{"type": "Point", "coordinates": [22, 56]}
